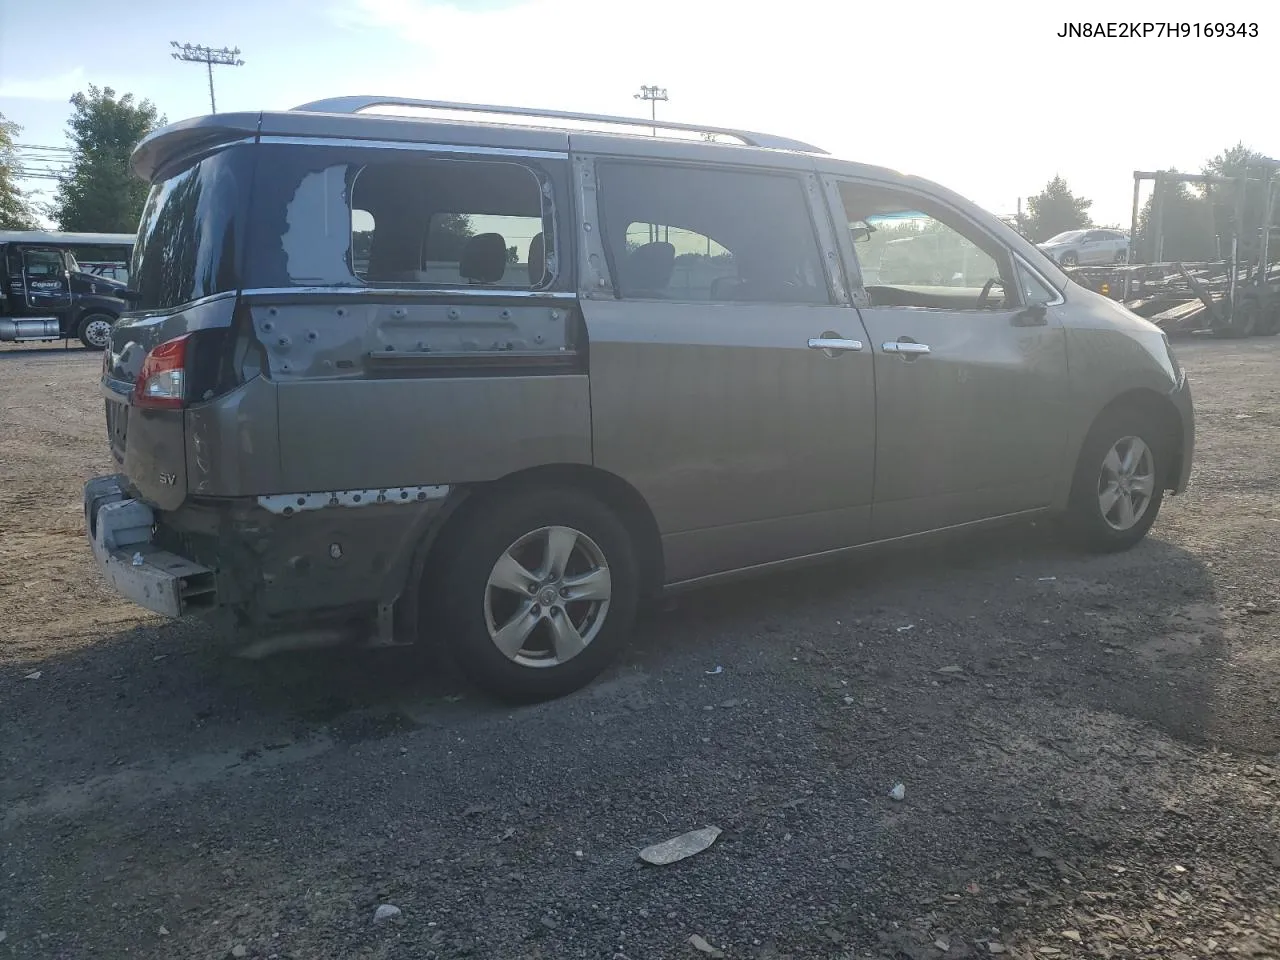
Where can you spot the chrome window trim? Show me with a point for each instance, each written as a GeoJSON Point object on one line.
{"type": "Point", "coordinates": [440, 293]}
{"type": "Point", "coordinates": [424, 291]}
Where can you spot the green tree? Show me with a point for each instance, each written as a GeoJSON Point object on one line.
{"type": "Point", "coordinates": [449, 234]}
{"type": "Point", "coordinates": [1188, 228]}
{"type": "Point", "coordinates": [101, 193]}
{"type": "Point", "coordinates": [16, 212]}
{"type": "Point", "coordinates": [1054, 210]}
{"type": "Point", "coordinates": [1239, 161]}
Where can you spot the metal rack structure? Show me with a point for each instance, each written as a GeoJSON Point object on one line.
{"type": "Point", "coordinates": [1237, 295]}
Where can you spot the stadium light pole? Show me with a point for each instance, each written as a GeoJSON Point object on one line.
{"type": "Point", "coordinates": [193, 53]}
{"type": "Point", "coordinates": [653, 94]}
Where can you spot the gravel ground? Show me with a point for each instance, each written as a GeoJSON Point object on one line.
{"type": "Point", "coordinates": [1088, 749]}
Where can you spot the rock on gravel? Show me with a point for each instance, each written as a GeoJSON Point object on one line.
{"type": "Point", "coordinates": [678, 848]}
{"type": "Point", "coordinates": [701, 945]}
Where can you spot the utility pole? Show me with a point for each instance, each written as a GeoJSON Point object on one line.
{"type": "Point", "coordinates": [653, 94]}
{"type": "Point", "coordinates": [196, 54]}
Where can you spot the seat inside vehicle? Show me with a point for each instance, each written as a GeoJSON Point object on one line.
{"type": "Point", "coordinates": [442, 222]}
{"type": "Point", "coordinates": [484, 258]}
{"type": "Point", "coordinates": [680, 235]}
{"type": "Point", "coordinates": [537, 260]}
{"type": "Point", "coordinates": [648, 269]}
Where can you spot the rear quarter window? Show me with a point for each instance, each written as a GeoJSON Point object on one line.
{"type": "Point", "coordinates": [403, 219]}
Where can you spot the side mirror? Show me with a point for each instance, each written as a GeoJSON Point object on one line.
{"type": "Point", "coordinates": [860, 234]}
{"type": "Point", "coordinates": [1032, 316]}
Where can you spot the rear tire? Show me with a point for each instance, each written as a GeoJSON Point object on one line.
{"type": "Point", "coordinates": [506, 585]}
{"type": "Point", "coordinates": [94, 330]}
{"type": "Point", "coordinates": [1119, 481]}
{"type": "Point", "coordinates": [1243, 323]}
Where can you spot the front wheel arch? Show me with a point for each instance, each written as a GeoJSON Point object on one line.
{"type": "Point", "coordinates": [1137, 433]}
{"type": "Point", "coordinates": [1161, 411]}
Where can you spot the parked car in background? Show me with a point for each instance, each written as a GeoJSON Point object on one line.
{"type": "Point", "coordinates": [1087, 246]}
{"type": "Point", "coordinates": [46, 294]}
{"type": "Point", "coordinates": [513, 418]}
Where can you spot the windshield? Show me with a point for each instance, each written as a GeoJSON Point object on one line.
{"type": "Point", "coordinates": [190, 237]}
{"type": "Point", "coordinates": [1066, 237]}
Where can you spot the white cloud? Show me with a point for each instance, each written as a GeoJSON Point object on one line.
{"type": "Point", "coordinates": [47, 88]}
{"type": "Point", "coordinates": [980, 96]}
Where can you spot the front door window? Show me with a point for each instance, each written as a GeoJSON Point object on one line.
{"type": "Point", "coordinates": [44, 274]}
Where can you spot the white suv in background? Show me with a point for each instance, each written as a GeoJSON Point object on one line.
{"type": "Point", "coordinates": [1087, 246]}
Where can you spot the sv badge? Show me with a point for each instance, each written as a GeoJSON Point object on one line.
{"type": "Point", "coordinates": [168, 479]}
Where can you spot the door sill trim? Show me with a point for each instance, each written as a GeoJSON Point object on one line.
{"type": "Point", "coordinates": [774, 566]}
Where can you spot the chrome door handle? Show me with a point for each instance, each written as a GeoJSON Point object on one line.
{"type": "Point", "coordinates": [897, 346]}
{"type": "Point", "coordinates": [835, 344]}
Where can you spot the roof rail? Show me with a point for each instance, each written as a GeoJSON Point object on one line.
{"type": "Point", "coordinates": [357, 103]}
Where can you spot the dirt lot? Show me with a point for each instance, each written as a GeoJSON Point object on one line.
{"type": "Point", "coordinates": [1088, 746]}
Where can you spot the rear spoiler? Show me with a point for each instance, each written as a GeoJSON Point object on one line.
{"type": "Point", "coordinates": [186, 137]}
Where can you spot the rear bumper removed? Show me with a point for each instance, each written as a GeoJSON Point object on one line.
{"type": "Point", "coordinates": [120, 531]}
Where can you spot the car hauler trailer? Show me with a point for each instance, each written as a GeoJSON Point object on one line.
{"type": "Point", "coordinates": [1237, 295]}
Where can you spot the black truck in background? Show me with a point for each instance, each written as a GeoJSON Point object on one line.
{"type": "Point", "coordinates": [45, 292]}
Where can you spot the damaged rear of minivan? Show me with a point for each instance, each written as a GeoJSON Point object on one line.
{"type": "Point", "coordinates": [341, 328]}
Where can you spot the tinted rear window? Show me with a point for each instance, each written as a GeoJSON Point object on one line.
{"type": "Point", "coordinates": [191, 236]}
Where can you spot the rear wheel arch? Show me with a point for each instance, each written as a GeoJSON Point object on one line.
{"type": "Point", "coordinates": [610, 489]}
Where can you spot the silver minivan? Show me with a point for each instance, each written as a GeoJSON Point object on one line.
{"type": "Point", "coordinates": [474, 376]}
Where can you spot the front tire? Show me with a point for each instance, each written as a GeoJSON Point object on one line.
{"type": "Point", "coordinates": [94, 330]}
{"type": "Point", "coordinates": [1119, 482]}
{"type": "Point", "coordinates": [536, 593]}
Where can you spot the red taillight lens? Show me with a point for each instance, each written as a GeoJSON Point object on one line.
{"type": "Point", "coordinates": [163, 380]}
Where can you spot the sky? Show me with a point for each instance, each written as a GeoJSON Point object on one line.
{"type": "Point", "coordinates": [983, 97]}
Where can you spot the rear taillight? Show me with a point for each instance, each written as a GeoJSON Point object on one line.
{"type": "Point", "coordinates": [162, 384]}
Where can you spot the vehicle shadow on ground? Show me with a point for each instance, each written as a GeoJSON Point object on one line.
{"type": "Point", "coordinates": [1024, 746]}
{"type": "Point", "coordinates": [1101, 632]}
